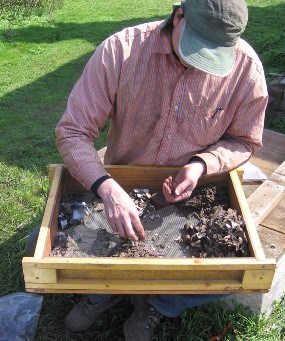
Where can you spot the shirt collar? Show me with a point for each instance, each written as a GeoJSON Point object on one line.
{"type": "Point", "coordinates": [162, 40]}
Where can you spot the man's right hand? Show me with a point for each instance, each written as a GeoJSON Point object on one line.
{"type": "Point", "coordinates": [121, 211]}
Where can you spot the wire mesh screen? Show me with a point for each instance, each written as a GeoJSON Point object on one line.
{"type": "Point", "coordinates": [202, 226]}
{"type": "Point", "coordinates": [95, 238]}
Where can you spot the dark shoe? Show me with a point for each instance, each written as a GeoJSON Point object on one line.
{"type": "Point", "coordinates": [141, 324]}
{"type": "Point", "coordinates": [85, 313]}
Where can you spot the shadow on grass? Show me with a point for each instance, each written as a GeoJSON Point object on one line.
{"type": "Point", "coordinates": [94, 32]}
{"type": "Point", "coordinates": [29, 114]}
{"type": "Point", "coordinates": [12, 250]}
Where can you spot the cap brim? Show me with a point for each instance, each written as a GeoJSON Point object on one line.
{"type": "Point", "coordinates": [205, 55]}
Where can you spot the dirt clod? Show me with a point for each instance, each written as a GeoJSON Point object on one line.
{"type": "Point", "coordinates": [127, 248]}
{"type": "Point", "coordinates": [62, 245]}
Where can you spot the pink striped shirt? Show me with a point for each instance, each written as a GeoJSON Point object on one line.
{"type": "Point", "coordinates": [160, 112]}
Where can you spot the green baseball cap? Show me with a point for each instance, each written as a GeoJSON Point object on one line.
{"type": "Point", "coordinates": [211, 31]}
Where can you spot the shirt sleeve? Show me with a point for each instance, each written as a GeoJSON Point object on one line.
{"type": "Point", "coordinates": [89, 106]}
{"type": "Point", "coordinates": [244, 135]}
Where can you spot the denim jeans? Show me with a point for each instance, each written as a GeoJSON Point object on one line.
{"type": "Point", "coordinates": [170, 305]}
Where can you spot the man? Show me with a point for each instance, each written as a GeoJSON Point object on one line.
{"type": "Point", "coordinates": [183, 92]}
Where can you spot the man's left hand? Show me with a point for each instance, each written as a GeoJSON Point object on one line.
{"type": "Point", "coordinates": [184, 183]}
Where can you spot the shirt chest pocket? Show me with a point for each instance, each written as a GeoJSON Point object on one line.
{"type": "Point", "coordinates": [204, 126]}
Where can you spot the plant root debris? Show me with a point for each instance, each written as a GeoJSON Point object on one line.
{"type": "Point", "coordinates": [204, 198]}
{"type": "Point", "coordinates": [220, 231]}
{"type": "Point", "coordinates": [212, 228]}
{"type": "Point", "coordinates": [219, 234]}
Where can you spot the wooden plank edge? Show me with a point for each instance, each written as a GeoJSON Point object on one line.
{"type": "Point", "coordinates": [133, 292]}
{"type": "Point", "coordinates": [148, 285]}
{"type": "Point", "coordinates": [251, 229]}
{"type": "Point", "coordinates": [241, 263]}
{"type": "Point", "coordinates": [259, 207]}
{"type": "Point", "coordinates": [281, 169]}
{"type": "Point", "coordinates": [50, 205]}
{"type": "Point", "coordinates": [272, 229]}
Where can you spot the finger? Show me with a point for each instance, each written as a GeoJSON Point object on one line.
{"type": "Point", "coordinates": [121, 230]}
{"type": "Point", "coordinates": [166, 192]}
{"type": "Point", "coordinates": [166, 189]}
{"type": "Point", "coordinates": [139, 228]}
{"type": "Point", "coordinates": [185, 195]}
{"type": "Point", "coordinates": [114, 228]}
{"type": "Point", "coordinates": [170, 198]}
{"type": "Point", "coordinates": [180, 188]}
{"type": "Point", "coordinates": [112, 223]}
{"type": "Point", "coordinates": [170, 182]}
{"type": "Point", "coordinates": [167, 182]}
{"type": "Point", "coordinates": [130, 231]}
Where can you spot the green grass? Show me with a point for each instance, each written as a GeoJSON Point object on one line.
{"type": "Point", "coordinates": [196, 324]}
{"type": "Point", "coordinates": [41, 57]}
{"type": "Point", "coordinates": [265, 31]}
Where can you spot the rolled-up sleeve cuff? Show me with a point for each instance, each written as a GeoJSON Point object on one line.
{"type": "Point", "coordinates": [99, 182]}
{"type": "Point", "coordinates": [90, 173]}
{"type": "Point", "coordinates": [212, 164]}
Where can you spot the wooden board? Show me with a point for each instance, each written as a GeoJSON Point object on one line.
{"type": "Point", "coordinates": [264, 199]}
{"type": "Point", "coordinates": [279, 175]}
{"type": "Point", "coordinates": [267, 160]}
{"type": "Point", "coordinates": [124, 275]}
{"type": "Point", "coordinates": [151, 275]}
{"type": "Point", "coordinates": [267, 202]}
{"type": "Point", "coordinates": [267, 208]}
{"type": "Point", "coordinates": [240, 204]}
{"type": "Point", "coordinates": [49, 223]}
{"type": "Point", "coordinates": [275, 221]}
{"type": "Point", "coordinates": [274, 142]}
{"type": "Point", "coordinates": [272, 154]}
{"type": "Point", "coordinates": [273, 242]}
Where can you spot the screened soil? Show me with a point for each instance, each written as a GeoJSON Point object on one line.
{"type": "Point", "coordinates": [202, 226]}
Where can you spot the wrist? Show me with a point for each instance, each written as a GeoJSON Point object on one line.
{"type": "Point", "coordinates": [98, 183]}
{"type": "Point", "coordinates": [197, 159]}
{"type": "Point", "coordinates": [105, 188]}
{"type": "Point", "coordinates": [199, 166]}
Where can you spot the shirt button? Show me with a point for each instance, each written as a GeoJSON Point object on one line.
{"type": "Point", "coordinates": [176, 107]}
{"type": "Point", "coordinates": [161, 162]}
{"type": "Point", "coordinates": [169, 136]}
